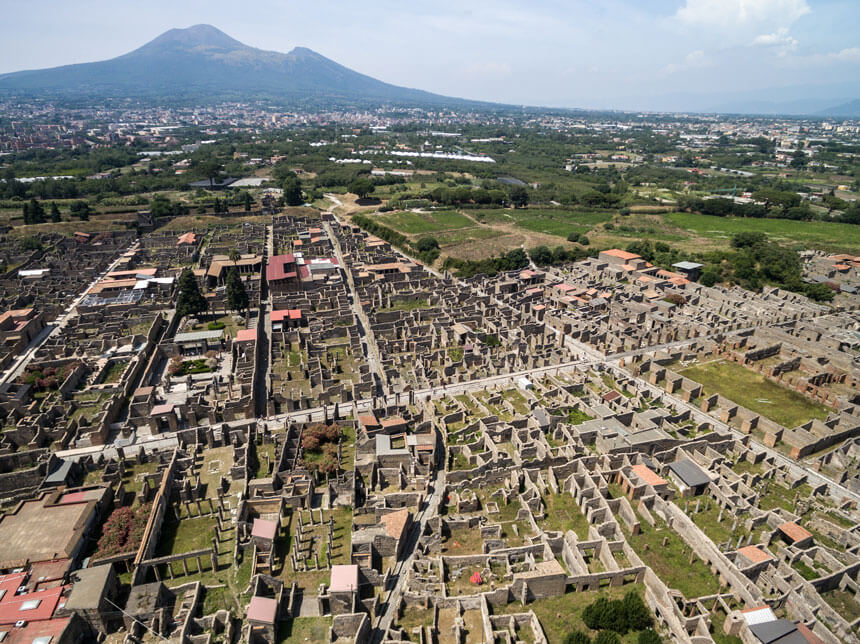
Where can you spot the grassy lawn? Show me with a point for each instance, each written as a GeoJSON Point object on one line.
{"type": "Point", "coordinates": [561, 615]}
{"type": "Point", "coordinates": [562, 513]}
{"type": "Point", "coordinates": [671, 562]}
{"type": "Point", "coordinates": [811, 234]}
{"type": "Point", "coordinates": [303, 629]}
{"type": "Point", "coordinates": [413, 223]}
{"type": "Point", "coordinates": [753, 391]}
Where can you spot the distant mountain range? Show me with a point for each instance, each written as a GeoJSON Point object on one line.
{"type": "Point", "coordinates": [202, 63]}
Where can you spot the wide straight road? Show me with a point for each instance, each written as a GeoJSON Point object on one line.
{"type": "Point", "coordinates": [428, 510]}
{"type": "Point", "coordinates": [21, 362]}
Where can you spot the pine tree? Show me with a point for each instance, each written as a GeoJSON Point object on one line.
{"type": "Point", "coordinates": [55, 212]}
{"type": "Point", "coordinates": [190, 300]}
{"type": "Point", "coordinates": [248, 202]}
{"type": "Point", "coordinates": [237, 297]}
{"type": "Point", "coordinates": [37, 213]}
{"type": "Point", "coordinates": [25, 210]}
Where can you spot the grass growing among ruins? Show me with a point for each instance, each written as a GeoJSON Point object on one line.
{"type": "Point", "coordinates": [671, 562]}
{"type": "Point", "coordinates": [408, 305]}
{"type": "Point", "coordinates": [753, 391]}
{"type": "Point", "coordinates": [779, 496]}
{"type": "Point", "coordinates": [303, 629]}
{"type": "Point", "coordinates": [561, 615]}
{"type": "Point", "coordinates": [717, 531]}
{"type": "Point", "coordinates": [562, 514]}
{"type": "Point", "coordinates": [412, 617]}
{"type": "Point", "coordinates": [519, 402]}
{"type": "Point", "coordinates": [314, 540]}
{"type": "Point", "coordinates": [843, 602]}
{"type": "Point", "coordinates": [186, 535]}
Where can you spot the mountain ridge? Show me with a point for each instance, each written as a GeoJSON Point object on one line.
{"type": "Point", "coordinates": [202, 61]}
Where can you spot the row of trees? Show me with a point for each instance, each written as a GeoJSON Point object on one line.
{"type": "Point", "coordinates": [511, 261]}
{"type": "Point", "coordinates": [190, 300]}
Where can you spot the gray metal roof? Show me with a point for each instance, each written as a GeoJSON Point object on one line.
{"type": "Point", "coordinates": [687, 266]}
{"type": "Point", "coordinates": [689, 473]}
{"type": "Point", "coordinates": [780, 630]}
{"type": "Point", "coordinates": [59, 475]}
{"type": "Point", "coordinates": [197, 336]}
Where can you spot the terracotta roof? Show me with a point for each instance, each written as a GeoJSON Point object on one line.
{"type": "Point", "coordinates": [263, 610]}
{"type": "Point", "coordinates": [621, 254]}
{"type": "Point", "coordinates": [247, 335]}
{"type": "Point", "coordinates": [368, 419]}
{"type": "Point", "coordinates": [395, 522]}
{"type": "Point", "coordinates": [648, 475]}
{"type": "Point", "coordinates": [187, 238]}
{"type": "Point", "coordinates": [264, 529]}
{"type": "Point", "coordinates": [286, 314]}
{"type": "Point", "coordinates": [794, 531]}
{"type": "Point", "coordinates": [755, 554]}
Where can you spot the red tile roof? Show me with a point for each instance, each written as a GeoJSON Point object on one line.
{"type": "Point", "coordinates": [286, 314]}
{"type": "Point", "coordinates": [10, 605]}
{"type": "Point", "coordinates": [264, 529]}
{"type": "Point", "coordinates": [621, 254]}
{"type": "Point", "coordinates": [794, 531]}
{"type": "Point", "coordinates": [263, 610]}
{"type": "Point", "coordinates": [276, 269]}
{"type": "Point", "coordinates": [247, 335]}
{"type": "Point", "coordinates": [395, 522]}
{"type": "Point", "coordinates": [647, 475]}
{"type": "Point", "coordinates": [755, 554]}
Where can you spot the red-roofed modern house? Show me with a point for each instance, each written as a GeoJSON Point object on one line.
{"type": "Point", "coordinates": [282, 274]}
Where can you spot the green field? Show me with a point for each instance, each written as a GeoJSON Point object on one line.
{"type": "Point", "coordinates": [561, 615]}
{"type": "Point", "coordinates": [815, 234]}
{"type": "Point", "coordinates": [413, 223]}
{"type": "Point", "coordinates": [559, 222]}
{"type": "Point", "coordinates": [753, 391]}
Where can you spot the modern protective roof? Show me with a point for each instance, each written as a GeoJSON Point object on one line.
{"type": "Point", "coordinates": [263, 610]}
{"type": "Point", "coordinates": [689, 473]}
{"type": "Point", "coordinates": [344, 578]}
{"type": "Point", "coordinates": [197, 336]}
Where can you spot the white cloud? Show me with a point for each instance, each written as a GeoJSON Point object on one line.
{"type": "Point", "coordinates": [694, 60]}
{"type": "Point", "coordinates": [849, 55]}
{"type": "Point", "coordinates": [779, 40]}
{"type": "Point", "coordinates": [741, 13]}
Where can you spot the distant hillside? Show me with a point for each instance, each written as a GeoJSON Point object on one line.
{"type": "Point", "coordinates": [851, 109]}
{"type": "Point", "coordinates": [203, 63]}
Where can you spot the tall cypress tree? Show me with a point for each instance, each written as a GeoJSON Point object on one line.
{"type": "Point", "coordinates": [237, 297]}
{"type": "Point", "coordinates": [190, 300]}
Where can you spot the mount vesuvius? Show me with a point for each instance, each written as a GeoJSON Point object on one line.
{"type": "Point", "coordinates": [202, 63]}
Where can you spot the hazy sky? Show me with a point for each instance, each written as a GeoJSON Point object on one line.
{"type": "Point", "coordinates": [603, 53]}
